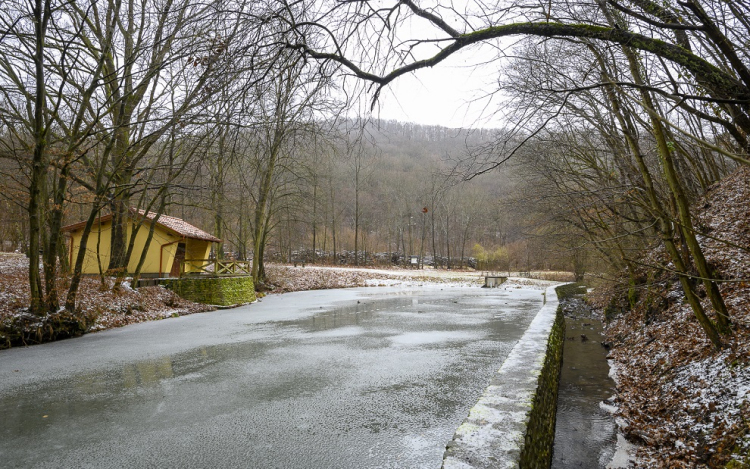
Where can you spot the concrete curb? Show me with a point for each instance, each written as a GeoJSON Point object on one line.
{"type": "Point", "coordinates": [502, 429]}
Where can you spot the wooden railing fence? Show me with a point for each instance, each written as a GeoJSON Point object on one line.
{"type": "Point", "coordinates": [215, 268]}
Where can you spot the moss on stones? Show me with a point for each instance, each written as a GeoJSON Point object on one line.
{"type": "Point", "coordinates": [513, 424]}
{"type": "Point", "coordinates": [570, 290]}
{"type": "Point", "coordinates": [540, 433]}
{"type": "Point", "coordinates": [221, 291]}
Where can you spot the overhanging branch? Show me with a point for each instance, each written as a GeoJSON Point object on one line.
{"type": "Point", "coordinates": [723, 85]}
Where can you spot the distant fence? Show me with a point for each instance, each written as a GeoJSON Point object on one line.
{"type": "Point", "coordinates": [215, 268]}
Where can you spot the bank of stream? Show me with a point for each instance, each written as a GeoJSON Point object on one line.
{"type": "Point", "coordinates": [585, 432]}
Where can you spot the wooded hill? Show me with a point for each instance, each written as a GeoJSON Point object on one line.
{"type": "Point", "coordinates": [329, 191]}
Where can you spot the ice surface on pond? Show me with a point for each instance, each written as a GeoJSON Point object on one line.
{"type": "Point", "coordinates": [346, 378]}
{"type": "Point", "coordinates": [434, 337]}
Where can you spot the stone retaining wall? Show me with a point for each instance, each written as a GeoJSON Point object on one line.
{"type": "Point", "coordinates": [513, 424]}
{"type": "Point", "coordinates": [221, 291]}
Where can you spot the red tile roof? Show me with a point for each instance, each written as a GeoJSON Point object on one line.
{"type": "Point", "coordinates": [178, 225]}
{"type": "Point", "coordinates": [181, 227]}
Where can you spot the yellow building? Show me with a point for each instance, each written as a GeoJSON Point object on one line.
{"type": "Point", "coordinates": [174, 240]}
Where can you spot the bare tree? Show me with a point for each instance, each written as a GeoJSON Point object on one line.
{"type": "Point", "coordinates": [287, 110]}
{"type": "Point", "coordinates": [674, 64]}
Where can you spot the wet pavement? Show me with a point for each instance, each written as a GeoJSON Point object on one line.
{"type": "Point", "coordinates": [374, 377]}
{"type": "Point", "coordinates": [585, 432]}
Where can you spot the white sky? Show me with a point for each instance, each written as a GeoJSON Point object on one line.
{"type": "Point", "coordinates": [446, 94]}
{"type": "Point", "coordinates": [452, 94]}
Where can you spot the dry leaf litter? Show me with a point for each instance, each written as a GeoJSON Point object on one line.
{"type": "Point", "coordinates": [686, 404]}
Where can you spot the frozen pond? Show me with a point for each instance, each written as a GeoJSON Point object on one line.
{"type": "Point", "coordinates": [372, 377]}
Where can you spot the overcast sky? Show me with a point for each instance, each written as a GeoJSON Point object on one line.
{"type": "Point", "coordinates": [460, 91]}
{"type": "Point", "coordinates": [452, 94]}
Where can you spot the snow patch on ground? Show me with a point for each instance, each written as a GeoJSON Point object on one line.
{"type": "Point", "coordinates": [623, 457]}
{"type": "Point", "coordinates": [685, 403]}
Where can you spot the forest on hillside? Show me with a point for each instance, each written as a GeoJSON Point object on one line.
{"type": "Point", "coordinates": [330, 190]}
{"type": "Point", "coordinates": [356, 196]}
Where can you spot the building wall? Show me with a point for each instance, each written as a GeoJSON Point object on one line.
{"type": "Point", "coordinates": [163, 246]}
{"type": "Point", "coordinates": [196, 249]}
{"type": "Point", "coordinates": [222, 291]}
{"type": "Point", "coordinates": [100, 235]}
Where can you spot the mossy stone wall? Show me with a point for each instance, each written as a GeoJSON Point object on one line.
{"type": "Point", "coordinates": [513, 423]}
{"type": "Point", "coordinates": [540, 434]}
{"type": "Point", "coordinates": [221, 291]}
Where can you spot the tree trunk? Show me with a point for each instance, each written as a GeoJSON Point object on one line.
{"type": "Point", "coordinates": [149, 238]}
{"type": "Point", "coordinates": [434, 249]}
{"type": "Point", "coordinates": [70, 301]}
{"type": "Point", "coordinates": [664, 223]}
{"type": "Point", "coordinates": [356, 216]}
{"type": "Point", "coordinates": [54, 220]}
{"type": "Point", "coordinates": [447, 242]}
{"type": "Point", "coordinates": [314, 219]}
{"type": "Point", "coordinates": [681, 202]}
{"type": "Point", "coordinates": [333, 223]}
{"type": "Point", "coordinates": [118, 235]}
{"type": "Point", "coordinates": [41, 12]}
{"type": "Point", "coordinates": [261, 216]}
